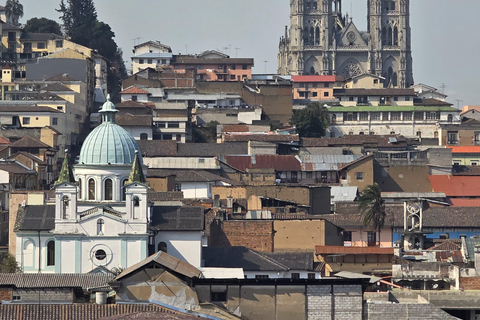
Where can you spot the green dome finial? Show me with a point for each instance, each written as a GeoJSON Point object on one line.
{"type": "Point", "coordinates": [66, 173]}
{"type": "Point", "coordinates": [136, 175]}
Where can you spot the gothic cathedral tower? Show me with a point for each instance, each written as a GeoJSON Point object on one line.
{"type": "Point", "coordinates": [321, 40]}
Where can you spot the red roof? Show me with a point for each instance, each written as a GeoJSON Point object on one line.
{"type": "Point", "coordinates": [278, 163]}
{"type": "Point", "coordinates": [462, 202]}
{"type": "Point", "coordinates": [4, 141]}
{"type": "Point", "coordinates": [313, 78]}
{"type": "Point", "coordinates": [134, 90]}
{"type": "Point", "coordinates": [352, 250]}
{"type": "Point", "coordinates": [466, 149]}
{"type": "Point", "coordinates": [459, 186]}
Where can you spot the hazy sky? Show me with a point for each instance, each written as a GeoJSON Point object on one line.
{"type": "Point", "coordinates": [445, 33]}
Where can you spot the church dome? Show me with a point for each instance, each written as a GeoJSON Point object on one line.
{"type": "Point", "coordinates": [109, 143]}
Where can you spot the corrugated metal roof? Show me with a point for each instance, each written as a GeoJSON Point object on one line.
{"type": "Point", "coordinates": [276, 162]}
{"type": "Point", "coordinates": [343, 194]}
{"type": "Point", "coordinates": [352, 250]}
{"type": "Point", "coordinates": [320, 162]}
{"type": "Point", "coordinates": [313, 78]}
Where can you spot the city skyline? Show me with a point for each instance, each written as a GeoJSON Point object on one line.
{"type": "Point", "coordinates": [441, 48]}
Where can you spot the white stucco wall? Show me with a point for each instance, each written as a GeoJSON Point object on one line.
{"type": "Point", "coordinates": [181, 163]}
{"type": "Point", "coordinates": [184, 245]}
{"type": "Point", "coordinates": [196, 190]}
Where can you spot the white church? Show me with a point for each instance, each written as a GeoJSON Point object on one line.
{"type": "Point", "coordinates": [100, 217]}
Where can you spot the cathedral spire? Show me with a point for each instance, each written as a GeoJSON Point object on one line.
{"type": "Point", "coordinates": [136, 175]}
{"type": "Point", "coordinates": [66, 173]}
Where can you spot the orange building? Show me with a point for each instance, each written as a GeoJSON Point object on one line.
{"type": "Point", "coordinates": [313, 87]}
{"type": "Point", "coordinates": [214, 66]}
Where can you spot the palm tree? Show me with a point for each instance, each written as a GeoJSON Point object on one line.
{"type": "Point", "coordinates": [372, 207]}
{"type": "Point", "coordinates": [13, 11]}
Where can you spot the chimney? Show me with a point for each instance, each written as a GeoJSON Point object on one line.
{"type": "Point", "coordinates": [216, 201]}
{"type": "Point", "coordinates": [477, 258]}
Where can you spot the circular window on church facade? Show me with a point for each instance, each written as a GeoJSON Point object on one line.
{"type": "Point", "coordinates": [101, 255]}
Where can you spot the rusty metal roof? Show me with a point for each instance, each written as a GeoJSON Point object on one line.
{"type": "Point", "coordinates": [46, 280]}
{"type": "Point", "coordinates": [167, 261]}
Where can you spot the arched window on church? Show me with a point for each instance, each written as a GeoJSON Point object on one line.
{"type": "Point", "coordinates": [143, 136]}
{"type": "Point", "coordinates": [124, 197]}
{"type": "Point", "coordinates": [51, 253]}
{"type": "Point", "coordinates": [312, 70]}
{"type": "Point", "coordinates": [384, 36]}
{"type": "Point", "coordinates": [395, 36]}
{"type": "Point", "coordinates": [136, 201]}
{"type": "Point", "coordinates": [305, 36]}
{"type": "Point", "coordinates": [108, 189]}
{"type": "Point", "coordinates": [311, 36]}
{"type": "Point", "coordinates": [65, 201]}
{"type": "Point", "coordinates": [389, 36]}
{"type": "Point", "coordinates": [317, 36]}
{"type": "Point", "coordinates": [162, 246]}
{"type": "Point", "coordinates": [91, 189]}
{"type": "Point", "coordinates": [80, 189]}
{"type": "Point", "coordinates": [449, 118]}
{"type": "Point", "coordinates": [100, 224]}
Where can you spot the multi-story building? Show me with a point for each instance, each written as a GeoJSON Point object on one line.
{"type": "Point", "coordinates": [150, 54]}
{"type": "Point", "coordinates": [389, 111]}
{"type": "Point", "coordinates": [171, 121]}
{"type": "Point", "coordinates": [323, 41]}
{"type": "Point", "coordinates": [214, 66]}
{"type": "Point", "coordinates": [314, 88]}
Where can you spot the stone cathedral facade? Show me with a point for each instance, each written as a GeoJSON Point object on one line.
{"type": "Point", "coordinates": [323, 41]}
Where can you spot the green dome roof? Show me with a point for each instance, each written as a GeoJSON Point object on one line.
{"type": "Point", "coordinates": [109, 143]}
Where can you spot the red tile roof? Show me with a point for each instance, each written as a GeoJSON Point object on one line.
{"type": "Point", "coordinates": [352, 250]}
{"type": "Point", "coordinates": [313, 78]}
{"type": "Point", "coordinates": [276, 162]}
{"type": "Point", "coordinates": [465, 149]}
{"type": "Point", "coordinates": [459, 186]}
{"type": "Point", "coordinates": [4, 141]}
{"type": "Point", "coordinates": [235, 128]}
{"type": "Point", "coordinates": [260, 137]}
{"type": "Point", "coordinates": [134, 90]}
{"type": "Point", "coordinates": [462, 202]}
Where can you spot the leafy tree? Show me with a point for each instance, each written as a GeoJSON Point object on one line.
{"type": "Point", "coordinates": [13, 11]}
{"type": "Point", "coordinates": [311, 121]}
{"type": "Point", "coordinates": [308, 124]}
{"type": "Point", "coordinates": [42, 25]}
{"type": "Point", "coordinates": [372, 207]}
{"type": "Point", "coordinates": [79, 18]}
{"type": "Point", "coordinates": [9, 264]}
{"type": "Point", "coordinates": [212, 129]}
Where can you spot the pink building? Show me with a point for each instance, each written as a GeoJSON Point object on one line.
{"type": "Point", "coordinates": [214, 66]}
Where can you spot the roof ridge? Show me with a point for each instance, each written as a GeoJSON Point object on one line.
{"type": "Point", "coordinates": [269, 259]}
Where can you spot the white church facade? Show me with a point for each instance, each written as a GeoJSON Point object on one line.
{"type": "Point", "coordinates": [101, 212]}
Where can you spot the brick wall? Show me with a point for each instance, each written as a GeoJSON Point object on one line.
{"type": "Point", "coordinates": [470, 283]}
{"type": "Point", "coordinates": [5, 294]}
{"type": "Point", "coordinates": [253, 234]}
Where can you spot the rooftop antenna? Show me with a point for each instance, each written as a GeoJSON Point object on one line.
{"type": "Point", "coordinates": [186, 49]}
{"type": "Point", "coordinates": [443, 86]}
{"type": "Point", "coordinates": [137, 39]}
{"type": "Point", "coordinates": [458, 103]}
{"type": "Point", "coordinates": [266, 61]}
{"type": "Point", "coordinates": [236, 52]}
{"type": "Point", "coordinates": [225, 48]}
{"type": "Point", "coordinates": [229, 49]}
